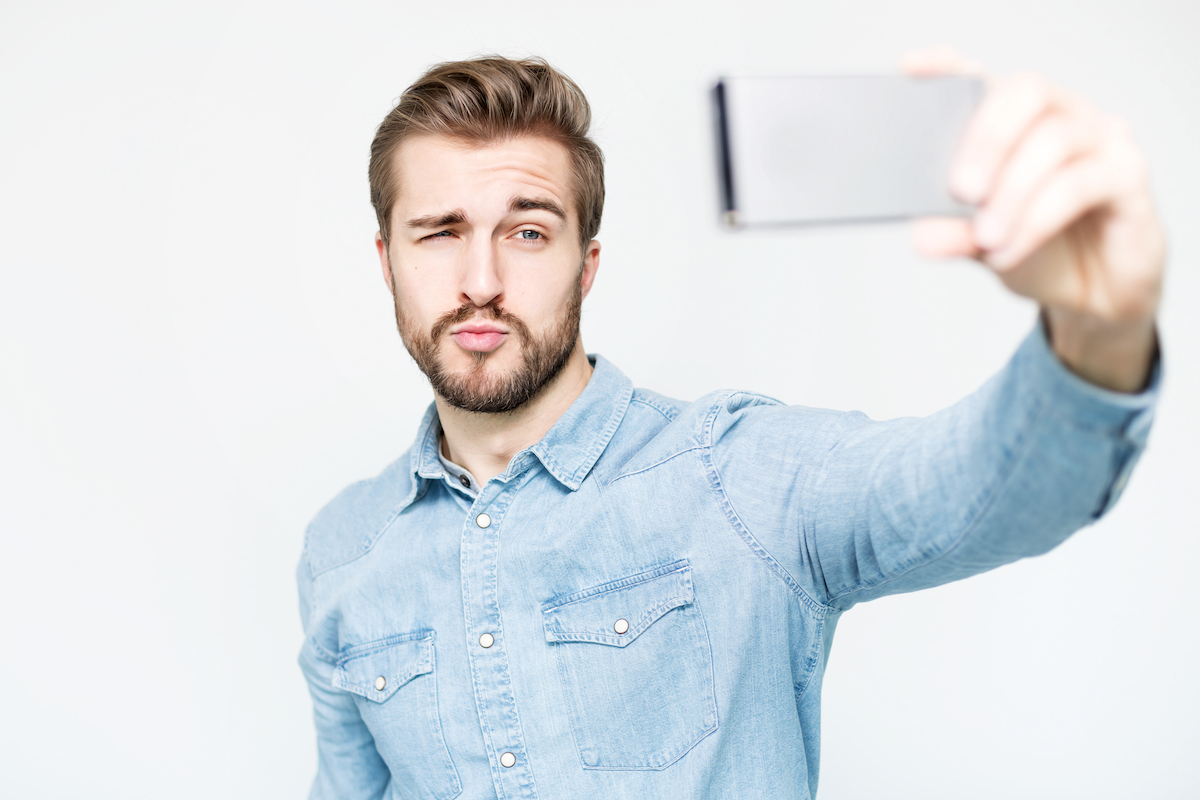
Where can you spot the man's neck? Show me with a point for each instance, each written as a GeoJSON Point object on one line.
{"type": "Point", "coordinates": [484, 444]}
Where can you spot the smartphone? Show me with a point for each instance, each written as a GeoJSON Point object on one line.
{"type": "Point", "coordinates": [803, 150]}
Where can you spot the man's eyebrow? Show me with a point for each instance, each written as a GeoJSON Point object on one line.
{"type": "Point", "coordinates": [529, 203]}
{"type": "Point", "coordinates": [438, 220]}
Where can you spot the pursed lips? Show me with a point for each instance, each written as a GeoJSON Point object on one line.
{"type": "Point", "coordinates": [479, 337]}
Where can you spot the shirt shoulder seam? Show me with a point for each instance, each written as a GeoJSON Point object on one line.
{"type": "Point", "coordinates": [670, 414]}
{"type": "Point", "coordinates": [739, 527]}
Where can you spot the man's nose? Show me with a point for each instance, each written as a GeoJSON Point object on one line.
{"type": "Point", "coordinates": [481, 282]}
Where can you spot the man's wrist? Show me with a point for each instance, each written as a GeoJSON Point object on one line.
{"type": "Point", "coordinates": [1118, 356]}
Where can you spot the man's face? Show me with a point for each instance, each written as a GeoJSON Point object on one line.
{"type": "Point", "coordinates": [486, 267]}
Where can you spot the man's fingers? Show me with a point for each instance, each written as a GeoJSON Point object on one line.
{"type": "Point", "coordinates": [944, 237]}
{"type": "Point", "coordinates": [1078, 188]}
{"type": "Point", "coordinates": [1010, 108]}
{"type": "Point", "coordinates": [1053, 141]}
{"type": "Point", "coordinates": [939, 60]}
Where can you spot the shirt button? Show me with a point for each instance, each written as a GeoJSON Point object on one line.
{"type": "Point", "coordinates": [621, 626]}
{"type": "Point", "coordinates": [483, 520]}
{"type": "Point", "coordinates": [380, 682]}
{"type": "Point", "coordinates": [507, 760]}
{"type": "Point", "coordinates": [465, 481]}
{"type": "Point", "coordinates": [486, 640]}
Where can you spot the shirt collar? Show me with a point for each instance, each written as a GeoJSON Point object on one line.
{"type": "Point", "coordinates": [568, 451]}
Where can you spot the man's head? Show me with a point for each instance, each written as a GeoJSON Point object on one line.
{"type": "Point", "coordinates": [487, 100]}
{"type": "Point", "coordinates": [488, 193]}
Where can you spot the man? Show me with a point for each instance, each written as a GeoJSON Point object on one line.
{"type": "Point", "coordinates": [569, 587]}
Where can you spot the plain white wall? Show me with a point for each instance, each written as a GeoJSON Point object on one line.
{"type": "Point", "coordinates": [197, 351]}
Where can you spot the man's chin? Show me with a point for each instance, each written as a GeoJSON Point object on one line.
{"type": "Point", "coordinates": [469, 365]}
{"type": "Point", "coordinates": [483, 387]}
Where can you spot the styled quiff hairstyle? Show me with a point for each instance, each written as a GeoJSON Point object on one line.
{"type": "Point", "coordinates": [492, 99]}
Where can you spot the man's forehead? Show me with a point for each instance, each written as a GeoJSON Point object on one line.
{"type": "Point", "coordinates": [439, 170]}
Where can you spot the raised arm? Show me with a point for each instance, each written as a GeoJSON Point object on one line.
{"type": "Point", "coordinates": [1065, 217]}
{"type": "Point", "coordinates": [859, 509]}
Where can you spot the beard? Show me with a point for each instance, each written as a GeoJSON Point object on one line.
{"type": "Point", "coordinates": [478, 388]}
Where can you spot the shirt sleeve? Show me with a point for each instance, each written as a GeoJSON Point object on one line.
{"type": "Point", "coordinates": [348, 765]}
{"type": "Point", "coordinates": [863, 509]}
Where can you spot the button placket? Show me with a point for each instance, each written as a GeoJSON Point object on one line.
{"type": "Point", "coordinates": [488, 662]}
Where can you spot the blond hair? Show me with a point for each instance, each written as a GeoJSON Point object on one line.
{"type": "Point", "coordinates": [492, 99]}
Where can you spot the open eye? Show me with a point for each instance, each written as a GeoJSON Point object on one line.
{"type": "Point", "coordinates": [530, 235]}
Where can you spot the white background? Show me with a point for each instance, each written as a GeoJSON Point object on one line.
{"type": "Point", "coordinates": [197, 351]}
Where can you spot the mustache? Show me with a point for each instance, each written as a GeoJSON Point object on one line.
{"type": "Point", "coordinates": [469, 311]}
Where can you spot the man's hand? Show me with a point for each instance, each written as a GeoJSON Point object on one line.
{"type": "Point", "coordinates": [1064, 217]}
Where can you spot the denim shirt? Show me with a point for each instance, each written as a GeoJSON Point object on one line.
{"type": "Point", "coordinates": [642, 604]}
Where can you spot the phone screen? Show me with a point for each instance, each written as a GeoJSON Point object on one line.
{"type": "Point", "coordinates": [839, 149]}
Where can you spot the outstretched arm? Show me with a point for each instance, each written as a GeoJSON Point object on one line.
{"type": "Point", "coordinates": [1065, 218]}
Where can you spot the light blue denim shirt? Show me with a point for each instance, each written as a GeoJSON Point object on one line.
{"type": "Point", "coordinates": [642, 605]}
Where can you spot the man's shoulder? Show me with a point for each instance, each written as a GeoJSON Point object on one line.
{"type": "Point", "coordinates": [658, 428]}
{"type": "Point", "coordinates": [348, 525]}
{"type": "Point", "coordinates": [707, 418]}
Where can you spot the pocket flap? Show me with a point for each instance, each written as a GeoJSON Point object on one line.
{"type": "Point", "coordinates": [617, 612]}
{"type": "Point", "coordinates": [377, 669]}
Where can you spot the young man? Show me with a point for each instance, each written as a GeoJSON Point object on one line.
{"type": "Point", "coordinates": [569, 587]}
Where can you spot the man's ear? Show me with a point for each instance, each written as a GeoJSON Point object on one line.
{"type": "Point", "coordinates": [383, 262]}
{"type": "Point", "coordinates": [591, 263]}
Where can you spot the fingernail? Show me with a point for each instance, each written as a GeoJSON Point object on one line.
{"type": "Point", "coordinates": [968, 184]}
{"type": "Point", "coordinates": [989, 230]}
{"type": "Point", "coordinates": [1002, 260]}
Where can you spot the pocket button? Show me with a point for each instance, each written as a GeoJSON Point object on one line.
{"type": "Point", "coordinates": [380, 683]}
{"type": "Point", "coordinates": [622, 626]}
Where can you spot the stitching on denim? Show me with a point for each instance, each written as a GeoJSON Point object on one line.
{"type": "Point", "coordinates": [472, 662]}
{"type": "Point", "coordinates": [435, 723]}
{"type": "Point", "coordinates": [325, 655]}
{"type": "Point", "coordinates": [647, 619]}
{"type": "Point", "coordinates": [485, 727]}
{"type": "Point", "coordinates": [574, 478]}
{"type": "Point", "coordinates": [735, 521]}
{"type": "Point", "coordinates": [815, 649]}
{"type": "Point", "coordinates": [711, 721]}
{"type": "Point", "coordinates": [1019, 450]}
{"type": "Point", "coordinates": [423, 666]}
{"type": "Point", "coordinates": [564, 684]}
{"type": "Point", "coordinates": [508, 699]}
{"type": "Point", "coordinates": [602, 441]}
{"type": "Point", "coordinates": [706, 644]}
{"type": "Point", "coordinates": [499, 506]}
{"type": "Point", "coordinates": [670, 413]}
{"type": "Point", "coordinates": [349, 654]}
{"type": "Point", "coordinates": [367, 545]}
{"type": "Point", "coordinates": [682, 565]}
{"type": "Point", "coordinates": [684, 750]}
{"type": "Point", "coordinates": [655, 464]}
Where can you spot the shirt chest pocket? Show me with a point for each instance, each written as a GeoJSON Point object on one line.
{"type": "Point", "coordinates": [396, 686]}
{"type": "Point", "coordinates": [636, 668]}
